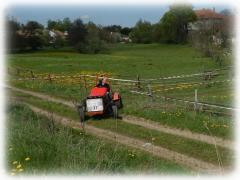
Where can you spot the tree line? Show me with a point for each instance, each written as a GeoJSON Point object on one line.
{"type": "Point", "coordinates": [92, 38]}
{"type": "Point", "coordinates": [172, 27]}
{"type": "Point", "coordinates": [86, 38]}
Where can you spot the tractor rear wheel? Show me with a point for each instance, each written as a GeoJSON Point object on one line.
{"type": "Point", "coordinates": [81, 114]}
{"type": "Point", "coordinates": [115, 111]}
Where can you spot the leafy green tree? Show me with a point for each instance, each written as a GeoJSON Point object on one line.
{"type": "Point", "coordinates": [104, 34]}
{"type": "Point", "coordinates": [51, 24]}
{"type": "Point", "coordinates": [126, 31]}
{"type": "Point", "coordinates": [63, 25]}
{"type": "Point", "coordinates": [157, 30]}
{"type": "Point", "coordinates": [77, 33]}
{"type": "Point", "coordinates": [113, 28]}
{"type": "Point", "coordinates": [174, 23]}
{"type": "Point", "coordinates": [93, 44]}
{"type": "Point", "coordinates": [33, 33]}
{"type": "Point", "coordinates": [66, 24]}
{"type": "Point", "coordinates": [13, 37]}
{"type": "Point", "coordinates": [142, 32]}
{"type": "Point", "coordinates": [32, 26]}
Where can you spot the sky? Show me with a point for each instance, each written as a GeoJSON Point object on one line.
{"type": "Point", "coordinates": [126, 16]}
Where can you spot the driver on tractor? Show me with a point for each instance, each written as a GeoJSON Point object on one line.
{"type": "Point", "coordinates": [103, 83]}
{"type": "Point", "coordinates": [100, 101]}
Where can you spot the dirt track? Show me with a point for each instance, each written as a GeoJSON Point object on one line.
{"type": "Point", "coordinates": [145, 123]}
{"type": "Point", "coordinates": [158, 151]}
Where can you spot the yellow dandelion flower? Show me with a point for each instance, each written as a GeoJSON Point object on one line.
{"type": "Point", "coordinates": [14, 162]}
{"type": "Point", "coordinates": [19, 166]}
{"type": "Point", "coordinates": [27, 158]}
{"type": "Point", "coordinates": [20, 170]}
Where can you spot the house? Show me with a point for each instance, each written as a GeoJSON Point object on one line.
{"type": "Point", "coordinates": [207, 19]}
{"type": "Point", "coordinates": [125, 39]}
{"type": "Point", "coordinates": [54, 34]}
{"type": "Point", "coordinates": [209, 22]}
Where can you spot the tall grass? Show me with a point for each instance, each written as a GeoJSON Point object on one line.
{"type": "Point", "coordinates": [53, 148]}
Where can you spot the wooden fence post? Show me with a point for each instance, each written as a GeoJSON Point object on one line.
{"type": "Point", "coordinates": [196, 105]}
{"type": "Point", "coordinates": [85, 83]}
{"type": "Point", "coordinates": [49, 78]}
{"type": "Point", "coordinates": [32, 75]}
{"type": "Point", "coordinates": [150, 93]}
{"type": "Point", "coordinates": [138, 83]}
{"type": "Point", "coordinates": [18, 72]}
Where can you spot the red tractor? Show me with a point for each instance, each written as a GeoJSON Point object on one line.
{"type": "Point", "coordinates": [100, 101]}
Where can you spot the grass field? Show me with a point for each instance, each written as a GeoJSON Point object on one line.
{"type": "Point", "coordinates": [195, 149]}
{"type": "Point", "coordinates": [127, 61]}
{"type": "Point", "coordinates": [52, 148]}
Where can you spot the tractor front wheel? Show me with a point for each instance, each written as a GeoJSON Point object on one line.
{"type": "Point", "coordinates": [115, 111]}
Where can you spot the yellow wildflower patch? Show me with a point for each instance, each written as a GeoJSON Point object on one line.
{"type": "Point", "coordinates": [20, 170]}
{"type": "Point", "coordinates": [27, 158]}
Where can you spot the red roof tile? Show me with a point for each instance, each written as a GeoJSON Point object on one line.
{"type": "Point", "coordinates": [208, 14]}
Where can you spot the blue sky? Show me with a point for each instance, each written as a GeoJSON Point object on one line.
{"type": "Point", "coordinates": [104, 15]}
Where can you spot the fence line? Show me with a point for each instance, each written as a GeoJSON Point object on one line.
{"type": "Point", "coordinates": [180, 76]}
{"type": "Point", "coordinates": [138, 80]}
{"type": "Point", "coordinates": [189, 84]}
{"type": "Point", "coordinates": [131, 82]}
{"type": "Point", "coordinates": [186, 101]}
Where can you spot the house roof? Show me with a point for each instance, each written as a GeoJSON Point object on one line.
{"type": "Point", "coordinates": [208, 14]}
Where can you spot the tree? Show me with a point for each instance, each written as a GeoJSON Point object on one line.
{"type": "Point", "coordinates": [63, 25]}
{"type": "Point", "coordinates": [94, 43]}
{"type": "Point", "coordinates": [33, 32]}
{"type": "Point", "coordinates": [142, 32]}
{"type": "Point", "coordinates": [174, 23]}
{"type": "Point", "coordinates": [126, 31]}
{"type": "Point", "coordinates": [104, 34]}
{"type": "Point", "coordinates": [12, 34]}
{"type": "Point", "coordinates": [31, 26]}
{"type": "Point", "coordinates": [157, 30]}
{"type": "Point", "coordinates": [77, 33]}
{"type": "Point", "coordinates": [66, 24]}
{"type": "Point", "coordinates": [51, 24]}
{"type": "Point", "coordinates": [113, 28]}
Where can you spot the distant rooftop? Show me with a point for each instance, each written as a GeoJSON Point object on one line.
{"type": "Point", "coordinates": [208, 14]}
